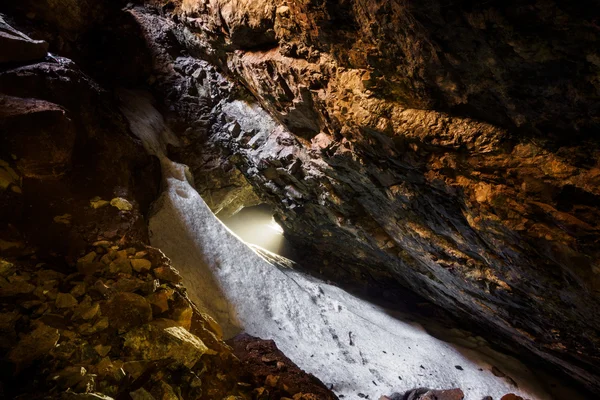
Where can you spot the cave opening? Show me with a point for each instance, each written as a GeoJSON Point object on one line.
{"type": "Point", "coordinates": [257, 225]}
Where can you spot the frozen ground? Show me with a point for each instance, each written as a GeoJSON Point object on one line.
{"type": "Point", "coordinates": [351, 345]}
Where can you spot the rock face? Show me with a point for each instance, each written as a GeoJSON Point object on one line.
{"type": "Point", "coordinates": [449, 147]}
{"type": "Point", "coordinates": [446, 148]}
{"type": "Point", "coordinates": [87, 311]}
{"type": "Point", "coordinates": [65, 145]}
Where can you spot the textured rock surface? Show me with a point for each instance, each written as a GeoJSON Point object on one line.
{"type": "Point", "coordinates": [17, 47]}
{"type": "Point", "coordinates": [66, 146]}
{"type": "Point", "coordinates": [108, 342]}
{"type": "Point", "coordinates": [87, 311]}
{"type": "Point", "coordinates": [446, 147]}
{"type": "Point", "coordinates": [448, 150]}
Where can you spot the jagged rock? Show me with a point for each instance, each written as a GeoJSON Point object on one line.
{"type": "Point", "coordinates": [121, 204]}
{"type": "Point", "coordinates": [84, 396]}
{"type": "Point", "coordinates": [97, 202]}
{"type": "Point", "coordinates": [162, 339]}
{"type": "Point", "coordinates": [432, 172]}
{"type": "Point", "coordinates": [33, 346]}
{"type": "Point", "coordinates": [167, 273]}
{"type": "Point", "coordinates": [15, 288]}
{"type": "Point", "coordinates": [141, 394]}
{"type": "Point", "coordinates": [160, 300]}
{"type": "Point", "coordinates": [126, 311]}
{"type": "Point", "coordinates": [262, 358]}
{"type": "Point", "coordinates": [18, 47]}
{"type": "Point", "coordinates": [182, 312]}
{"type": "Point", "coordinates": [511, 396]}
{"type": "Point", "coordinates": [66, 300]}
{"type": "Point", "coordinates": [141, 264]}
{"type": "Point", "coordinates": [120, 266]}
{"type": "Point", "coordinates": [163, 391]}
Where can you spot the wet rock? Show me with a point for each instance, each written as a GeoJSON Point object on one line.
{"type": "Point", "coordinates": [126, 311]}
{"type": "Point", "coordinates": [162, 339]}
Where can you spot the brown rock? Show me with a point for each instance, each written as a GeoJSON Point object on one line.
{"type": "Point", "coordinates": [120, 265]}
{"type": "Point", "coordinates": [511, 396]}
{"type": "Point", "coordinates": [160, 300]}
{"type": "Point", "coordinates": [17, 47]}
{"type": "Point", "coordinates": [167, 273]}
{"type": "Point", "coordinates": [452, 394]}
{"type": "Point", "coordinates": [126, 311]}
{"type": "Point", "coordinates": [33, 346]}
{"type": "Point", "coordinates": [182, 312]}
{"type": "Point", "coordinates": [163, 391]}
{"type": "Point", "coordinates": [15, 288]}
{"type": "Point", "coordinates": [161, 339]}
{"type": "Point", "coordinates": [65, 300]}
{"type": "Point", "coordinates": [78, 290]}
{"type": "Point", "coordinates": [141, 264]}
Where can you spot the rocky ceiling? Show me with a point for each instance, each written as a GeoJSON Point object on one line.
{"type": "Point", "coordinates": [450, 147]}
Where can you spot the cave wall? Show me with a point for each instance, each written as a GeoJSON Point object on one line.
{"type": "Point", "coordinates": [449, 147]}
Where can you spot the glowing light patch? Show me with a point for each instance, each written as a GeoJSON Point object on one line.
{"type": "Point", "coordinates": [276, 227]}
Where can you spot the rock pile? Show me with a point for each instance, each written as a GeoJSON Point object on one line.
{"type": "Point", "coordinates": [117, 323]}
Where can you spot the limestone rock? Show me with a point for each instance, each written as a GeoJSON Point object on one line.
{"type": "Point", "coordinates": [126, 311]}
{"type": "Point", "coordinates": [121, 203]}
{"type": "Point", "coordinates": [167, 273]}
{"type": "Point", "coordinates": [141, 264]}
{"type": "Point", "coordinates": [161, 339]}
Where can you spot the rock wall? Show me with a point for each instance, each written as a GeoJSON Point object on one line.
{"type": "Point", "coordinates": [87, 309]}
{"type": "Point", "coordinates": [449, 148]}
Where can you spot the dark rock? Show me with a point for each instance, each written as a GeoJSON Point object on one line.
{"type": "Point", "coordinates": [165, 339]}
{"type": "Point", "coordinates": [473, 184]}
{"type": "Point", "coordinates": [18, 47]}
{"type": "Point", "coordinates": [262, 358]}
{"type": "Point", "coordinates": [33, 346]}
{"type": "Point", "coordinates": [126, 311]}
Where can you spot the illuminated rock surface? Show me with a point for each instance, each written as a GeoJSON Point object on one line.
{"type": "Point", "coordinates": [447, 148]}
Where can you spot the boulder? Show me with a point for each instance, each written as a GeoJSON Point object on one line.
{"type": "Point", "coordinates": [164, 339]}
{"type": "Point", "coordinates": [18, 47]}
{"type": "Point", "coordinates": [126, 311]}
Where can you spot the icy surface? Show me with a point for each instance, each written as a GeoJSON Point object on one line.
{"type": "Point", "coordinates": [351, 345]}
